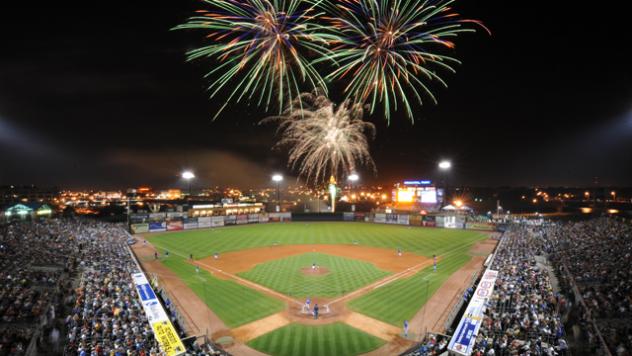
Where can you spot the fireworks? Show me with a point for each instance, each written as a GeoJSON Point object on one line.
{"type": "Point", "coordinates": [261, 47]}
{"type": "Point", "coordinates": [323, 139]}
{"type": "Point", "coordinates": [388, 48]}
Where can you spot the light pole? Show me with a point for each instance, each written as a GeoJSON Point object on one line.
{"type": "Point", "coordinates": [277, 178]}
{"type": "Point", "coordinates": [188, 175]}
{"type": "Point", "coordinates": [444, 167]}
{"type": "Point", "coordinates": [353, 177]}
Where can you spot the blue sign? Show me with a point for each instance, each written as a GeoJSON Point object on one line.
{"type": "Point", "coordinates": [145, 292]}
{"type": "Point", "coordinates": [417, 182]}
{"type": "Point", "coordinates": [465, 334]}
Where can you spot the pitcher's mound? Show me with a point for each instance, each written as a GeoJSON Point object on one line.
{"type": "Point", "coordinates": [320, 271]}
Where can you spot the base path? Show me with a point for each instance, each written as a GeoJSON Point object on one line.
{"type": "Point", "coordinates": [259, 327]}
{"type": "Point", "coordinates": [372, 326]}
{"type": "Point", "coordinates": [199, 318]}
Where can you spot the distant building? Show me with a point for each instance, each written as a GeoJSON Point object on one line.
{"type": "Point", "coordinates": [27, 194]}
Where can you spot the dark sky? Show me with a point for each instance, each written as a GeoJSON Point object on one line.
{"type": "Point", "coordinates": [98, 94]}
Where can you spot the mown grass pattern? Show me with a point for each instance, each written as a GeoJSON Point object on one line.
{"type": "Point", "coordinates": [285, 275]}
{"type": "Point", "coordinates": [400, 300]}
{"type": "Point", "coordinates": [323, 340]}
{"type": "Point", "coordinates": [418, 240]}
{"type": "Point", "coordinates": [233, 303]}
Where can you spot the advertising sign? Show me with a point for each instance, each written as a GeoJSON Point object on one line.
{"type": "Point", "coordinates": [253, 218]}
{"type": "Point", "coordinates": [164, 332]}
{"type": "Point", "coordinates": [403, 219]}
{"type": "Point", "coordinates": [263, 218]}
{"type": "Point", "coordinates": [205, 222]}
{"type": "Point", "coordinates": [217, 221]}
{"type": "Point", "coordinates": [242, 219]}
{"type": "Point", "coordinates": [140, 228]}
{"type": "Point", "coordinates": [380, 218]}
{"type": "Point", "coordinates": [190, 223]}
{"type": "Point", "coordinates": [157, 226]}
{"type": "Point", "coordinates": [465, 334]}
{"type": "Point", "coordinates": [175, 225]}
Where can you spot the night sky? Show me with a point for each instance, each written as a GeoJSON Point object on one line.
{"type": "Point", "coordinates": [98, 94]}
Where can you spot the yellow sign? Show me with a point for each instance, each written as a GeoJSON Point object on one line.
{"type": "Point", "coordinates": [168, 339]}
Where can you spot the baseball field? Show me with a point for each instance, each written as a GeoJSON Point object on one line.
{"type": "Point", "coordinates": [251, 282]}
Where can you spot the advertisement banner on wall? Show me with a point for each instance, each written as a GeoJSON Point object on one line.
{"type": "Point", "coordinates": [403, 219]}
{"type": "Point", "coordinates": [175, 225]}
{"type": "Point", "coordinates": [217, 221]}
{"type": "Point", "coordinates": [164, 332]}
{"type": "Point", "coordinates": [204, 221]}
{"type": "Point", "coordinates": [242, 219]}
{"type": "Point", "coordinates": [414, 220]}
{"type": "Point", "coordinates": [359, 216]}
{"type": "Point", "coordinates": [157, 226]}
{"type": "Point", "coordinates": [391, 218]}
{"type": "Point", "coordinates": [467, 330]}
{"type": "Point", "coordinates": [253, 218]}
{"type": "Point", "coordinates": [286, 216]}
{"type": "Point", "coordinates": [346, 216]}
{"type": "Point", "coordinates": [230, 220]}
{"type": "Point", "coordinates": [439, 221]}
{"type": "Point", "coordinates": [190, 223]}
{"type": "Point", "coordinates": [380, 218]}
{"type": "Point", "coordinates": [263, 218]}
{"type": "Point", "coordinates": [140, 228]}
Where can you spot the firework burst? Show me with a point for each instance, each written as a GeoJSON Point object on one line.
{"type": "Point", "coordinates": [388, 48]}
{"type": "Point", "coordinates": [324, 139]}
{"type": "Point", "coordinates": [261, 47]}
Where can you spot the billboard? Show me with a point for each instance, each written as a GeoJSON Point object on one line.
{"type": "Point", "coordinates": [347, 216]}
{"type": "Point", "coordinates": [204, 221]}
{"type": "Point", "coordinates": [190, 223]}
{"type": "Point", "coordinates": [217, 221]}
{"type": "Point", "coordinates": [380, 218]}
{"type": "Point", "coordinates": [253, 218]}
{"type": "Point", "coordinates": [465, 334]}
{"type": "Point", "coordinates": [391, 218]}
{"type": "Point", "coordinates": [140, 228]}
{"type": "Point", "coordinates": [175, 225]}
{"type": "Point", "coordinates": [230, 219]}
{"type": "Point", "coordinates": [157, 226]}
{"type": "Point", "coordinates": [164, 332]}
{"type": "Point", "coordinates": [242, 219]}
{"type": "Point", "coordinates": [403, 219]}
{"type": "Point", "coordinates": [263, 218]}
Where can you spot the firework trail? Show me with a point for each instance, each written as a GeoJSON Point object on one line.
{"type": "Point", "coordinates": [324, 139]}
{"type": "Point", "coordinates": [260, 46]}
{"type": "Point", "coordinates": [388, 50]}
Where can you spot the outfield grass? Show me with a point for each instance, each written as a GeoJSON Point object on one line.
{"type": "Point", "coordinates": [323, 340]}
{"type": "Point", "coordinates": [400, 300]}
{"type": "Point", "coordinates": [285, 275]}
{"type": "Point", "coordinates": [422, 241]}
{"type": "Point", "coordinates": [233, 303]}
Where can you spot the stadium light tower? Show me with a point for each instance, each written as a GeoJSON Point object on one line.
{"type": "Point", "coordinates": [353, 178]}
{"type": "Point", "coordinates": [188, 175]}
{"type": "Point", "coordinates": [445, 166]}
{"type": "Point", "coordinates": [277, 178]}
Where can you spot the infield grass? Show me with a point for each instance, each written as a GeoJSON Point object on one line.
{"type": "Point", "coordinates": [233, 303]}
{"type": "Point", "coordinates": [285, 275]}
{"type": "Point", "coordinates": [322, 340]}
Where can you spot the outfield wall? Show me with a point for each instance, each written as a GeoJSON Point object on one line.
{"type": "Point", "coordinates": [176, 221]}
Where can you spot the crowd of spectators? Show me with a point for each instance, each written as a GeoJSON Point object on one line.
{"type": "Point", "coordinates": [66, 288]}
{"type": "Point", "coordinates": [523, 314]}
{"type": "Point", "coordinates": [433, 344]}
{"type": "Point", "coordinates": [594, 260]}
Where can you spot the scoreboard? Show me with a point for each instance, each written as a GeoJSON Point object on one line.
{"type": "Point", "coordinates": [417, 192]}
